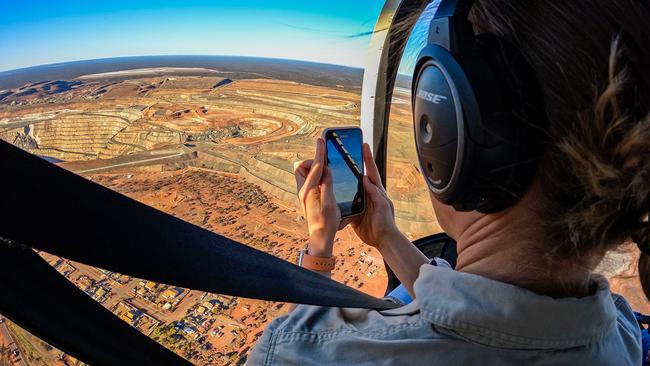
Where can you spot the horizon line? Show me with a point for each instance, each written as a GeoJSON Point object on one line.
{"type": "Point", "coordinates": [176, 55]}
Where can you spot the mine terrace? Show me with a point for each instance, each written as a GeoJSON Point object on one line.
{"type": "Point", "coordinates": [212, 150]}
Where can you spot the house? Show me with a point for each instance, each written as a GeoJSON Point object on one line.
{"type": "Point", "coordinates": [171, 293]}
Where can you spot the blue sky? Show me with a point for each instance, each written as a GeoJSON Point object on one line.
{"type": "Point", "coordinates": [43, 32]}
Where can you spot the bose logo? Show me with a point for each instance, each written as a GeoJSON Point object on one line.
{"type": "Point", "coordinates": [431, 97]}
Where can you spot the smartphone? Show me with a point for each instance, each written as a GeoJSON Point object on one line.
{"type": "Point", "coordinates": [344, 151]}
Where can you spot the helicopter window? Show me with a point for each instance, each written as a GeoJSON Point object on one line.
{"type": "Point", "coordinates": [209, 139]}
{"type": "Point", "coordinates": [404, 183]}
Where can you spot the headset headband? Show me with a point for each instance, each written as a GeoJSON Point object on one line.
{"type": "Point", "coordinates": [450, 28]}
{"type": "Point", "coordinates": [454, 8]}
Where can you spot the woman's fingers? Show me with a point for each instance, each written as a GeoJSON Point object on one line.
{"type": "Point", "coordinates": [301, 170]}
{"type": "Point", "coordinates": [374, 193]}
{"type": "Point", "coordinates": [371, 167]}
{"type": "Point", "coordinates": [316, 172]}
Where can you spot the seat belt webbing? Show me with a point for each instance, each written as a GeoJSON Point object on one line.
{"type": "Point", "coordinates": [51, 209]}
{"type": "Point", "coordinates": [36, 297]}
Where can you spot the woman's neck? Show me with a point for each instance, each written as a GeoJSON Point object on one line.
{"type": "Point", "coordinates": [500, 247]}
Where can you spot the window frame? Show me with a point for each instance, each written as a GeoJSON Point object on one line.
{"type": "Point", "coordinates": [380, 74]}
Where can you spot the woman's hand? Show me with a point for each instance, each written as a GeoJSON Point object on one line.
{"type": "Point", "coordinates": [377, 224]}
{"type": "Point", "coordinates": [316, 195]}
{"type": "Point", "coordinates": [376, 227]}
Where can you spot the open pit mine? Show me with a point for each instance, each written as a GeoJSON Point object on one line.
{"type": "Point", "coordinates": [216, 149]}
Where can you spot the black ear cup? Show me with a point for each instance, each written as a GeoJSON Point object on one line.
{"type": "Point", "coordinates": [477, 123]}
{"type": "Point", "coordinates": [436, 128]}
{"type": "Point", "coordinates": [442, 100]}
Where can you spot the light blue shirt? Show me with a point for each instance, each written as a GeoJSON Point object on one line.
{"type": "Point", "coordinates": [401, 296]}
{"type": "Point", "coordinates": [460, 319]}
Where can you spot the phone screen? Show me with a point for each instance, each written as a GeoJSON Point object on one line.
{"type": "Point", "coordinates": [345, 159]}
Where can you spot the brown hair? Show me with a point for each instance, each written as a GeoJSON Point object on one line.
{"type": "Point", "coordinates": [593, 65]}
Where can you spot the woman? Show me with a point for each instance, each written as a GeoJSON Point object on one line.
{"type": "Point", "coordinates": [523, 290]}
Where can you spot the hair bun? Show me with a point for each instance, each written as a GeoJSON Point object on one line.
{"type": "Point", "coordinates": [641, 236]}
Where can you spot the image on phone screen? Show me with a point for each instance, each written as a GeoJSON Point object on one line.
{"type": "Point", "coordinates": [345, 159]}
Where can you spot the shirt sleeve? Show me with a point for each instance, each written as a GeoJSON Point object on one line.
{"type": "Point", "coordinates": [400, 296]}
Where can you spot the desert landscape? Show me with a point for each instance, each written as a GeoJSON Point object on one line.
{"type": "Point", "coordinates": [210, 149]}
{"type": "Point", "coordinates": [215, 148]}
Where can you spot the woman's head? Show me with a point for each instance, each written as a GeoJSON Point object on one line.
{"type": "Point", "coordinates": [591, 60]}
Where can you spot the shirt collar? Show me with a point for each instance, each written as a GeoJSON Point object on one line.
{"type": "Point", "coordinates": [499, 314]}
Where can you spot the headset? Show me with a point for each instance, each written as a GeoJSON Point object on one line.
{"type": "Point", "coordinates": [478, 115]}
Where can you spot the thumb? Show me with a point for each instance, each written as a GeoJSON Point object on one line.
{"type": "Point", "coordinates": [371, 189]}
{"type": "Point", "coordinates": [376, 195]}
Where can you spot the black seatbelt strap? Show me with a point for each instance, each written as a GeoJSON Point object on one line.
{"type": "Point", "coordinates": [51, 209]}
{"type": "Point", "coordinates": [39, 299]}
